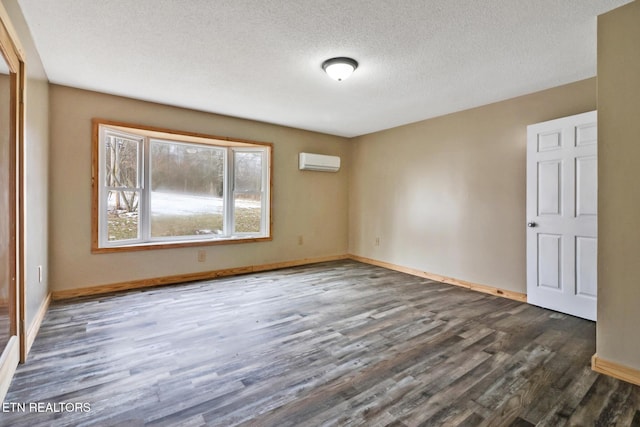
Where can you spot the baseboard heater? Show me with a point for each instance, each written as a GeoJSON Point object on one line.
{"type": "Point", "coordinates": [318, 162]}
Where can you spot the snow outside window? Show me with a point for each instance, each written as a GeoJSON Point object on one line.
{"type": "Point", "coordinates": [158, 188]}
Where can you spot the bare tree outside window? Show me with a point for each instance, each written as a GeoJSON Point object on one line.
{"type": "Point", "coordinates": [159, 187]}
{"type": "Point", "coordinates": [121, 177]}
{"type": "Point", "coordinates": [247, 191]}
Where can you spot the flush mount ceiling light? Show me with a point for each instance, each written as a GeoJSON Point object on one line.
{"type": "Point", "coordinates": [339, 68]}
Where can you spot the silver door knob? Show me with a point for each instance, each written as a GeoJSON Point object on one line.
{"type": "Point", "coordinates": [532, 224]}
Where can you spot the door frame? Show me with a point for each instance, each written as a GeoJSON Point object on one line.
{"type": "Point", "coordinates": [13, 53]}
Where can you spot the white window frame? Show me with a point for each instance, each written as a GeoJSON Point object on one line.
{"type": "Point", "coordinates": [264, 191]}
{"type": "Point", "coordinates": [144, 137]}
{"type": "Point", "coordinates": [104, 189]}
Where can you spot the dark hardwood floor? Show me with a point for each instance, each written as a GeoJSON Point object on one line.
{"type": "Point", "coordinates": [340, 343]}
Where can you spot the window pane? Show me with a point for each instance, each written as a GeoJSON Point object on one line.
{"type": "Point", "coordinates": [121, 162]}
{"type": "Point", "coordinates": [187, 183]}
{"type": "Point", "coordinates": [123, 215]}
{"type": "Point", "coordinates": [175, 214]}
{"type": "Point", "coordinates": [160, 186]}
{"type": "Point", "coordinates": [248, 212]}
{"type": "Point", "coordinates": [248, 171]}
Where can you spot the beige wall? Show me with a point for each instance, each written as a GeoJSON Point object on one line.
{"type": "Point", "coordinates": [311, 204]}
{"type": "Point", "coordinates": [36, 151]}
{"type": "Point", "coordinates": [618, 186]}
{"type": "Point", "coordinates": [447, 195]}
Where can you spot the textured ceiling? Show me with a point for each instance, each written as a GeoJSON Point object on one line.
{"type": "Point", "coordinates": [261, 59]}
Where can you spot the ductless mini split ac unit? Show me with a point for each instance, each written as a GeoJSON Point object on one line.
{"type": "Point", "coordinates": [319, 162]}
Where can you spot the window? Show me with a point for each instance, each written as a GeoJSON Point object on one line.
{"type": "Point", "coordinates": [159, 188]}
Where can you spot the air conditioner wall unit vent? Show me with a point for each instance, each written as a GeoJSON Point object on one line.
{"type": "Point", "coordinates": [319, 162]}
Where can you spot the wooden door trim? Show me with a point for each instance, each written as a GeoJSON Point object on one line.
{"type": "Point", "coordinates": [20, 209]}
{"type": "Point", "coordinates": [13, 53]}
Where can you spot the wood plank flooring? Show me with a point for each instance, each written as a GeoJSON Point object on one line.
{"type": "Point", "coordinates": [332, 344]}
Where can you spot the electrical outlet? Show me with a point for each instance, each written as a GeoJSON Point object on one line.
{"type": "Point", "coordinates": [202, 256]}
{"type": "Point", "coordinates": [377, 241]}
{"type": "Point", "coordinates": [300, 240]}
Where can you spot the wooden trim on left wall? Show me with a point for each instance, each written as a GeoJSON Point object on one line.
{"type": "Point", "coordinates": [180, 278]}
{"type": "Point", "coordinates": [37, 321]}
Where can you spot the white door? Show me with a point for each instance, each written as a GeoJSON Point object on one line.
{"type": "Point", "coordinates": [562, 190]}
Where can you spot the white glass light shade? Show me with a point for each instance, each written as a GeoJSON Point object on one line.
{"type": "Point", "coordinates": [339, 68]}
